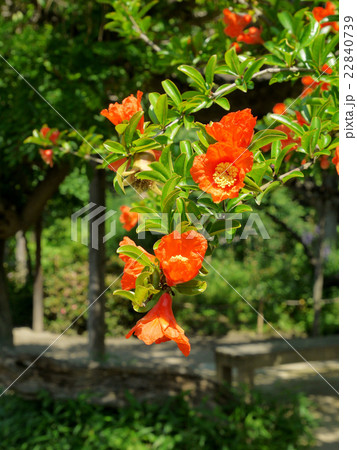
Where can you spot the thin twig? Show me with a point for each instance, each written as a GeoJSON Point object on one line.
{"type": "Point", "coordinates": [143, 36]}
{"type": "Point", "coordinates": [281, 177]}
{"type": "Point", "coordinates": [259, 74]}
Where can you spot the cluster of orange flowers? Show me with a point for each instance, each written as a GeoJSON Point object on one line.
{"type": "Point", "coordinates": [235, 29]}
{"type": "Point", "coordinates": [280, 108]}
{"type": "Point", "coordinates": [221, 171]}
{"type": "Point", "coordinates": [179, 257]}
{"type": "Point", "coordinates": [47, 153]}
{"type": "Point", "coordinates": [320, 13]}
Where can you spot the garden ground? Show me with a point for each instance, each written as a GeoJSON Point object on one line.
{"type": "Point", "coordinates": [297, 377]}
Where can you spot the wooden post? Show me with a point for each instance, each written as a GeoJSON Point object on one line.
{"type": "Point", "coordinates": [96, 322]}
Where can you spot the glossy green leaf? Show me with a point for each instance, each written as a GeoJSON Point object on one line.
{"type": "Point", "coordinates": [210, 69]}
{"type": "Point", "coordinates": [287, 21]}
{"type": "Point", "coordinates": [192, 287]}
{"type": "Point", "coordinates": [296, 174]}
{"type": "Point", "coordinates": [194, 74]}
{"type": "Point", "coordinates": [265, 137]}
{"type": "Point", "coordinates": [135, 253]}
{"type": "Point", "coordinates": [161, 109]}
{"type": "Point", "coordinates": [132, 126]}
{"type": "Point", "coordinates": [172, 91]}
{"type": "Point", "coordinates": [114, 147]}
{"type": "Point", "coordinates": [298, 129]}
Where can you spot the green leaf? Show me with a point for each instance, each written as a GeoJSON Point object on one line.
{"type": "Point", "coordinates": [161, 168]}
{"type": "Point", "coordinates": [253, 68]}
{"type": "Point", "coordinates": [134, 252]}
{"type": "Point", "coordinates": [132, 126]}
{"type": "Point", "coordinates": [151, 175]}
{"type": "Point", "coordinates": [232, 60]}
{"type": "Point", "coordinates": [287, 21]}
{"type": "Point", "coordinates": [143, 210]}
{"type": "Point", "coordinates": [169, 186]}
{"type": "Point", "coordinates": [296, 174]}
{"type": "Point", "coordinates": [194, 74]}
{"type": "Point", "coordinates": [166, 160]}
{"type": "Point", "coordinates": [155, 225]}
{"type": "Point", "coordinates": [172, 91]}
{"type": "Point", "coordinates": [115, 147]}
{"type": "Point", "coordinates": [143, 144]}
{"type": "Point", "coordinates": [265, 137]}
{"type": "Point", "coordinates": [118, 179]}
{"type": "Point", "coordinates": [309, 32]}
{"type": "Point", "coordinates": [281, 157]}
{"type": "Point", "coordinates": [298, 129]}
{"type": "Point", "coordinates": [125, 294]}
{"type": "Point", "coordinates": [210, 68]}
{"type": "Point", "coordinates": [259, 170]}
{"type": "Point", "coordinates": [251, 185]}
{"type": "Point", "coordinates": [316, 49]}
{"type": "Point", "coordinates": [223, 103]}
{"type": "Point", "coordinates": [192, 287]}
{"type": "Point", "coordinates": [222, 225]}
{"type": "Point", "coordinates": [180, 165]}
{"type": "Point", "coordinates": [185, 147]}
{"type": "Point", "coordinates": [161, 109]}
{"type": "Point", "coordinates": [169, 200]}
{"type": "Point", "coordinates": [272, 186]}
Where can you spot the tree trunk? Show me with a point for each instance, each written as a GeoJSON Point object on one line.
{"type": "Point", "coordinates": [23, 265]}
{"type": "Point", "coordinates": [37, 310]}
{"type": "Point", "coordinates": [6, 339]}
{"type": "Point", "coordinates": [319, 268]}
{"type": "Point", "coordinates": [96, 321]}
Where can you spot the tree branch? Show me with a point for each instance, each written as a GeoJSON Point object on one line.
{"type": "Point", "coordinates": [259, 74]}
{"type": "Point", "coordinates": [143, 36]}
{"type": "Point", "coordinates": [280, 178]}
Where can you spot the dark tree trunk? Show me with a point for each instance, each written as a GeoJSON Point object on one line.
{"type": "Point", "coordinates": [6, 339]}
{"type": "Point", "coordinates": [319, 256]}
{"type": "Point", "coordinates": [37, 311]}
{"type": "Point", "coordinates": [96, 322]}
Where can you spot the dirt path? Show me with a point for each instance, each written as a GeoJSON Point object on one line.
{"type": "Point", "coordinates": [299, 376]}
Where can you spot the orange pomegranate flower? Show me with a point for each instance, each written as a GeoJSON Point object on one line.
{"type": "Point", "coordinates": [311, 85]}
{"type": "Point", "coordinates": [320, 13]}
{"type": "Point", "coordinates": [324, 162]}
{"type": "Point", "coordinates": [159, 325]}
{"type": "Point", "coordinates": [53, 137]}
{"type": "Point", "coordinates": [336, 159]}
{"type": "Point", "coordinates": [221, 171]}
{"type": "Point", "coordinates": [326, 69]}
{"type": "Point", "coordinates": [235, 22]}
{"type": "Point", "coordinates": [235, 128]}
{"type": "Point", "coordinates": [117, 113]}
{"type": "Point", "coordinates": [47, 156]}
{"type": "Point", "coordinates": [132, 268]}
{"type": "Point", "coordinates": [181, 256]}
{"type": "Point", "coordinates": [279, 108]}
{"type": "Point", "coordinates": [300, 119]}
{"type": "Point", "coordinates": [251, 36]}
{"type": "Point", "coordinates": [236, 46]}
{"type": "Point", "coordinates": [128, 219]}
